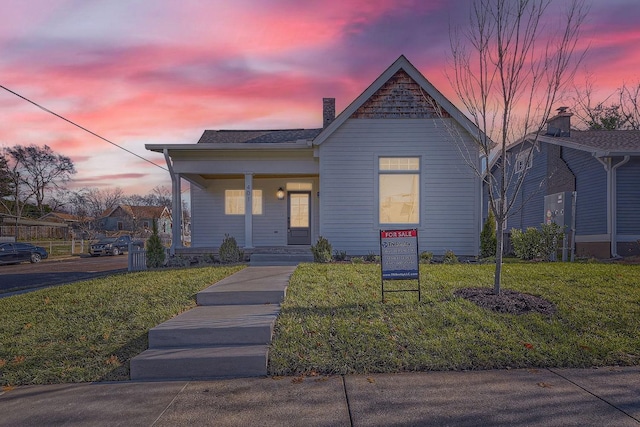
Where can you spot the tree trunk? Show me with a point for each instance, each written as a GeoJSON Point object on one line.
{"type": "Point", "coordinates": [497, 280]}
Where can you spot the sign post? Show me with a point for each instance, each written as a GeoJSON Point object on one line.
{"type": "Point", "coordinates": [399, 258]}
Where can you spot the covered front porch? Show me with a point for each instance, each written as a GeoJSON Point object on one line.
{"type": "Point", "coordinates": [263, 195]}
{"type": "Point", "coordinates": [258, 211]}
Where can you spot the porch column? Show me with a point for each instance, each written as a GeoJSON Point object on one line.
{"type": "Point", "coordinates": [176, 213]}
{"type": "Point", "coordinates": [248, 210]}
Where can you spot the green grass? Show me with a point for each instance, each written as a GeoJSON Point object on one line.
{"type": "Point", "coordinates": [333, 320]}
{"type": "Point", "coordinates": [88, 331]}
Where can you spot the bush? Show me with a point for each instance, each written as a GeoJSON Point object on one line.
{"type": "Point", "coordinates": [155, 250]}
{"type": "Point", "coordinates": [229, 251]}
{"type": "Point", "coordinates": [536, 244]}
{"type": "Point", "coordinates": [426, 257]}
{"type": "Point", "coordinates": [340, 255]}
{"type": "Point", "coordinates": [450, 257]}
{"type": "Point", "coordinates": [357, 260]}
{"type": "Point", "coordinates": [371, 257]}
{"type": "Point", "coordinates": [488, 241]}
{"type": "Point", "coordinates": [321, 250]}
{"type": "Point", "coordinates": [551, 236]}
{"type": "Point", "coordinates": [526, 244]}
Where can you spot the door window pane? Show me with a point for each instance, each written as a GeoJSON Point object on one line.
{"type": "Point", "coordinates": [298, 210]}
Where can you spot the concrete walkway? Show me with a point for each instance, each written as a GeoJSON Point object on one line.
{"type": "Point", "coordinates": [226, 336]}
{"type": "Point", "coordinates": [531, 397]}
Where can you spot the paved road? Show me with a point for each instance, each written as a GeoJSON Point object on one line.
{"type": "Point", "coordinates": [57, 272]}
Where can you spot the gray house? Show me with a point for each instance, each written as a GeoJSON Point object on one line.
{"type": "Point", "coordinates": [390, 160]}
{"type": "Point", "coordinates": [602, 167]}
{"type": "Point", "coordinates": [134, 219]}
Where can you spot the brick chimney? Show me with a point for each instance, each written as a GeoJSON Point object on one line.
{"type": "Point", "coordinates": [560, 124]}
{"type": "Point", "coordinates": [328, 111]}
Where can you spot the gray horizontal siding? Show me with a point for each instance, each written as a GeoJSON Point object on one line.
{"type": "Point", "coordinates": [591, 187]}
{"type": "Point", "coordinates": [449, 196]}
{"type": "Point", "coordinates": [628, 197]}
{"type": "Point", "coordinates": [209, 224]}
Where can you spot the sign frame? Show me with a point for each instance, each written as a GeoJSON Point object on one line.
{"type": "Point", "coordinates": [399, 258]}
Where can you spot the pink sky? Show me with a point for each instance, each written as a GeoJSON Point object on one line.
{"type": "Point", "coordinates": [163, 71]}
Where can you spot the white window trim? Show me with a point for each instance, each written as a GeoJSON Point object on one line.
{"type": "Point", "coordinates": [407, 171]}
{"type": "Point", "coordinates": [521, 157]}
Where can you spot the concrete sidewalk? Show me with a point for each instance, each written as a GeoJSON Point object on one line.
{"type": "Point", "coordinates": [522, 397]}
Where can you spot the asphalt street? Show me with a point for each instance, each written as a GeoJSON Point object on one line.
{"type": "Point", "coordinates": [26, 276]}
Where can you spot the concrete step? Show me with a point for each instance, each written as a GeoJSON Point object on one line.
{"type": "Point", "coordinates": [276, 259]}
{"type": "Point", "coordinates": [251, 286]}
{"type": "Point", "coordinates": [199, 363]}
{"type": "Point", "coordinates": [217, 325]}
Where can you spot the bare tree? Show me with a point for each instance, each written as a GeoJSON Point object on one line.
{"type": "Point", "coordinates": [619, 110]}
{"type": "Point", "coordinates": [509, 67]}
{"type": "Point", "coordinates": [38, 171]}
{"type": "Point", "coordinates": [93, 202]}
{"type": "Point", "coordinates": [6, 189]}
{"type": "Point", "coordinates": [159, 196]}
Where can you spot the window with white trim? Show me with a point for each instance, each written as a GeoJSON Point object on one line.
{"type": "Point", "coordinates": [524, 159]}
{"type": "Point", "coordinates": [399, 190]}
{"type": "Point", "coordinates": [234, 202]}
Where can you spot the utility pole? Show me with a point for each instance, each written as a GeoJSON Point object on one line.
{"type": "Point", "coordinates": [16, 203]}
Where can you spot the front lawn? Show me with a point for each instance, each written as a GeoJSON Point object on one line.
{"type": "Point", "coordinates": [333, 320]}
{"type": "Point", "coordinates": [88, 331]}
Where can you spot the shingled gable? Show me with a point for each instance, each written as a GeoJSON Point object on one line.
{"type": "Point", "coordinates": [400, 92]}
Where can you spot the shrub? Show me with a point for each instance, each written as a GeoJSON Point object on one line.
{"type": "Point", "coordinates": [371, 257]}
{"type": "Point", "coordinates": [357, 260]}
{"type": "Point", "coordinates": [551, 236]}
{"type": "Point", "coordinates": [155, 250]}
{"type": "Point", "coordinates": [450, 257]}
{"type": "Point", "coordinates": [526, 244]}
{"type": "Point", "coordinates": [426, 257]}
{"type": "Point", "coordinates": [321, 250]}
{"type": "Point", "coordinates": [229, 251]}
{"type": "Point", "coordinates": [534, 243]}
{"type": "Point", "coordinates": [488, 241]}
{"type": "Point", "coordinates": [340, 255]}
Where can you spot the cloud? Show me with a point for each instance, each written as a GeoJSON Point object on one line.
{"type": "Point", "coordinates": [162, 72]}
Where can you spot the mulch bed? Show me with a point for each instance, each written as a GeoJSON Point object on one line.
{"type": "Point", "coordinates": [511, 302]}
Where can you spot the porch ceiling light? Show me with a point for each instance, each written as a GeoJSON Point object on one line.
{"type": "Point", "coordinates": [280, 193]}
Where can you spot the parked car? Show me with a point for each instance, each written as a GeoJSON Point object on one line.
{"type": "Point", "coordinates": [113, 245]}
{"type": "Point", "coordinates": [14, 253]}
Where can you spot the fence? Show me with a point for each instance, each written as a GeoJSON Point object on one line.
{"type": "Point", "coordinates": [137, 258]}
{"type": "Point", "coordinates": [34, 232]}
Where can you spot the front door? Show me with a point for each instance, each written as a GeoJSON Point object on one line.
{"type": "Point", "coordinates": [298, 218]}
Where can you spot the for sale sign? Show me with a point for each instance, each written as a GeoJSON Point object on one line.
{"type": "Point", "coordinates": [399, 254]}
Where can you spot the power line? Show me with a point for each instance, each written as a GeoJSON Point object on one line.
{"type": "Point", "coordinates": [81, 127]}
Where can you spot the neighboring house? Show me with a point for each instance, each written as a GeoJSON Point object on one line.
{"type": "Point", "coordinates": [391, 160]}
{"type": "Point", "coordinates": [76, 224]}
{"type": "Point", "coordinates": [602, 167]}
{"type": "Point", "coordinates": [133, 219]}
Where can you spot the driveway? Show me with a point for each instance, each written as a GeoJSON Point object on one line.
{"type": "Point", "coordinates": [58, 272]}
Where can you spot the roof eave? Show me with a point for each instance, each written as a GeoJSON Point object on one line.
{"type": "Point", "coordinates": [231, 146]}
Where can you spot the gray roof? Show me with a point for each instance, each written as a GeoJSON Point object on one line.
{"type": "Point", "coordinates": [601, 140]}
{"type": "Point", "coordinates": [257, 136]}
